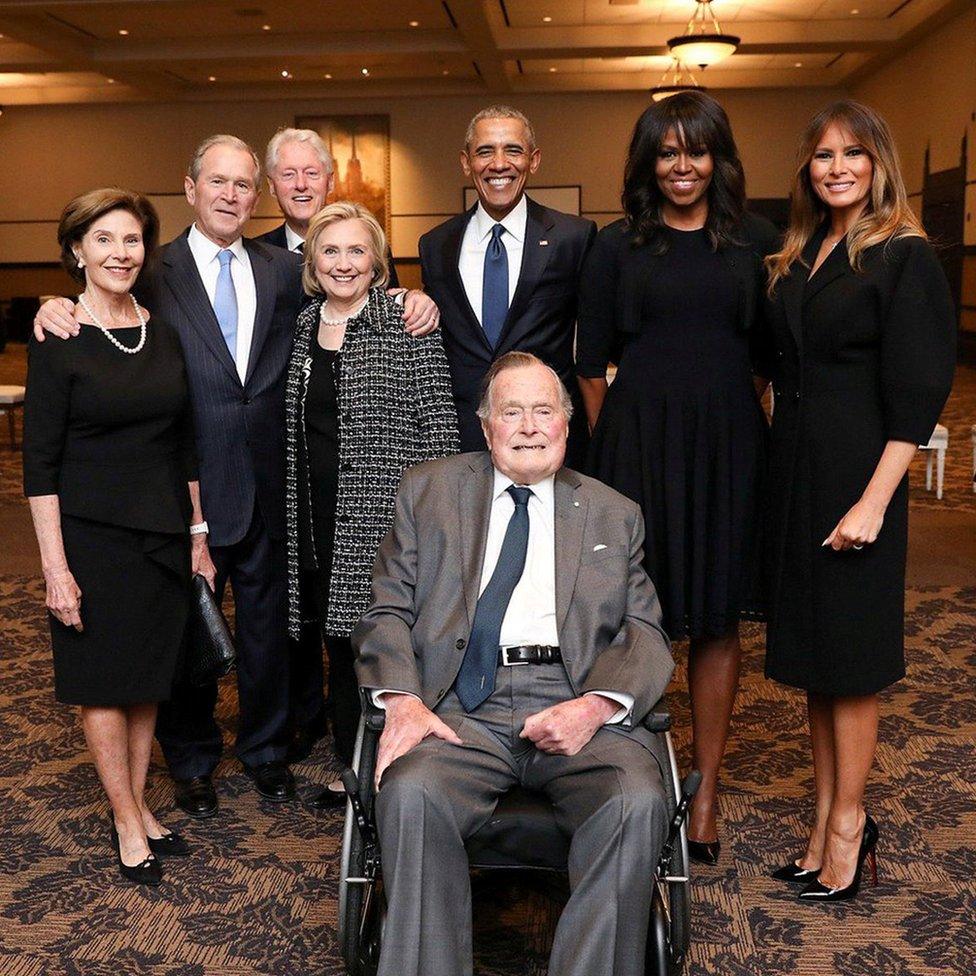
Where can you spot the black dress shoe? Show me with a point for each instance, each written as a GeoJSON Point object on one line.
{"type": "Point", "coordinates": [792, 873]}
{"type": "Point", "coordinates": [302, 744]}
{"type": "Point", "coordinates": [704, 852]}
{"type": "Point", "coordinates": [169, 845]}
{"type": "Point", "coordinates": [147, 872]}
{"type": "Point", "coordinates": [196, 797]}
{"type": "Point", "coordinates": [273, 780]}
{"type": "Point", "coordinates": [328, 799]}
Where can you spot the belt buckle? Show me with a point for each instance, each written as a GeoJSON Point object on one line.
{"type": "Point", "coordinates": [510, 664]}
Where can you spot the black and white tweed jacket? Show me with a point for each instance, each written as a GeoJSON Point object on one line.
{"type": "Point", "coordinates": [395, 409]}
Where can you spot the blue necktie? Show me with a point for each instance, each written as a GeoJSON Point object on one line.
{"type": "Point", "coordinates": [476, 679]}
{"type": "Point", "coordinates": [494, 288]}
{"type": "Point", "coordinates": [225, 303]}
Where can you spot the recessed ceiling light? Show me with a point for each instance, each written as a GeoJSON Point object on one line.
{"type": "Point", "coordinates": [124, 32]}
{"type": "Point", "coordinates": [285, 73]}
{"type": "Point", "coordinates": [547, 20]}
{"type": "Point", "coordinates": [797, 64]}
{"type": "Point", "coordinates": [445, 72]}
{"type": "Point", "coordinates": [212, 78]}
{"type": "Point", "coordinates": [855, 11]}
{"type": "Point", "coordinates": [364, 71]}
{"type": "Point", "coordinates": [328, 77]}
{"type": "Point", "coordinates": [111, 81]}
{"type": "Point", "coordinates": [414, 23]}
{"type": "Point", "coordinates": [265, 27]}
{"type": "Point", "coordinates": [552, 70]}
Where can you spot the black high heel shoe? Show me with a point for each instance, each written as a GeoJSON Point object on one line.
{"type": "Point", "coordinates": [815, 891]}
{"type": "Point", "coordinates": [704, 851]}
{"type": "Point", "coordinates": [146, 872]}
{"type": "Point", "coordinates": [792, 873]}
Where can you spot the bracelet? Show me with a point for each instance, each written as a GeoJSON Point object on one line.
{"type": "Point", "coordinates": [201, 528]}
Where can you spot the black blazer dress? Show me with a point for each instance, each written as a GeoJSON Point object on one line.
{"type": "Point", "coordinates": [861, 358]}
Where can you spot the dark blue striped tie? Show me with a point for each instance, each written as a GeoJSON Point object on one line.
{"type": "Point", "coordinates": [494, 287]}
{"type": "Point", "coordinates": [476, 679]}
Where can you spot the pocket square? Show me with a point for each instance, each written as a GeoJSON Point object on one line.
{"type": "Point", "coordinates": [598, 548]}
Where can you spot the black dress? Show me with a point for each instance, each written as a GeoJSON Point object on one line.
{"type": "Point", "coordinates": [681, 431]}
{"type": "Point", "coordinates": [111, 435]}
{"type": "Point", "coordinates": [863, 358]}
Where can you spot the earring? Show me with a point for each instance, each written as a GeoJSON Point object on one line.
{"type": "Point", "coordinates": [79, 261]}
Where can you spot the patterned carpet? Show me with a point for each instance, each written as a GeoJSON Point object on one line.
{"type": "Point", "coordinates": [258, 895]}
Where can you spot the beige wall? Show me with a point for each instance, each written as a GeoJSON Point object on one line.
{"type": "Point", "coordinates": [51, 153]}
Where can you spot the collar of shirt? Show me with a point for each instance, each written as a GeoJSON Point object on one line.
{"type": "Point", "coordinates": [513, 221]}
{"type": "Point", "coordinates": [543, 490]}
{"type": "Point", "coordinates": [292, 239]}
{"type": "Point", "coordinates": [204, 250]}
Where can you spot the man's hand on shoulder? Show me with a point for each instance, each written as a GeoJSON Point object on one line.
{"type": "Point", "coordinates": [420, 313]}
{"type": "Point", "coordinates": [57, 316]}
{"type": "Point", "coordinates": [563, 729]}
{"type": "Point", "coordinates": [408, 722]}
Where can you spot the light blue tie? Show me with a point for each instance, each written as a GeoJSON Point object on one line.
{"type": "Point", "coordinates": [494, 294]}
{"type": "Point", "coordinates": [225, 303]}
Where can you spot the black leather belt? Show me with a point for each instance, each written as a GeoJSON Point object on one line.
{"type": "Point", "coordinates": [528, 654]}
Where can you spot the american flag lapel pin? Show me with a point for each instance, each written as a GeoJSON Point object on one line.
{"type": "Point", "coordinates": [543, 243]}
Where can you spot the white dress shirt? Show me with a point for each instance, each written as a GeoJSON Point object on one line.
{"type": "Point", "coordinates": [531, 614]}
{"type": "Point", "coordinates": [205, 253]}
{"type": "Point", "coordinates": [294, 242]}
{"type": "Point", "coordinates": [471, 263]}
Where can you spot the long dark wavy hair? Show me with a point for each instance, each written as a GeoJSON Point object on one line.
{"type": "Point", "coordinates": [699, 122]}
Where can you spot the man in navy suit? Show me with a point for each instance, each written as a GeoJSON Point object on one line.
{"type": "Point", "coordinates": [505, 273]}
{"type": "Point", "coordinates": [233, 303]}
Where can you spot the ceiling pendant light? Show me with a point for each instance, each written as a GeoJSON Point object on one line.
{"type": "Point", "coordinates": [703, 42]}
{"type": "Point", "coordinates": [676, 79]}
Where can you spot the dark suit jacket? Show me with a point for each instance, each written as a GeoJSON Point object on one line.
{"type": "Point", "coordinates": [425, 588]}
{"type": "Point", "coordinates": [278, 239]}
{"type": "Point", "coordinates": [541, 319]}
{"type": "Point", "coordinates": [240, 428]}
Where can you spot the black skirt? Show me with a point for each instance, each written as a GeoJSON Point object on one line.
{"type": "Point", "coordinates": [135, 589]}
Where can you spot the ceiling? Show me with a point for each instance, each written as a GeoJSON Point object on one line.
{"type": "Point", "coordinates": [175, 50]}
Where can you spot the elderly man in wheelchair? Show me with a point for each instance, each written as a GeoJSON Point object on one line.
{"type": "Point", "coordinates": [512, 657]}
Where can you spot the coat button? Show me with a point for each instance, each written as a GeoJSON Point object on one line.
{"type": "Point", "coordinates": [460, 643]}
{"type": "Point", "coordinates": [796, 396]}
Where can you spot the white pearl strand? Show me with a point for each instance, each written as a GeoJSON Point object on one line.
{"type": "Point", "coordinates": [334, 323]}
{"type": "Point", "coordinates": [128, 350]}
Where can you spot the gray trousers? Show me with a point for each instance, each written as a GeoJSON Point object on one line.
{"type": "Point", "coordinates": [609, 798]}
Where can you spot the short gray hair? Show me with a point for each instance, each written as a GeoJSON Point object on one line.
{"type": "Point", "coordinates": [196, 163]}
{"type": "Point", "coordinates": [309, 136]}
{"type": "Point", "coordinates": [519, 360]}
{"type": "Point", "coordinates": [499, 112]}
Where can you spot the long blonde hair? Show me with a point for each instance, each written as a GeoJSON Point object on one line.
{"type": "Point", "coordinates": [887, 215]}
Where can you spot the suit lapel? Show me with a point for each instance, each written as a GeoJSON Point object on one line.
{"type": "Point", "coordinates": [536, 249]}
{"type": "Point", "coordinates": [793, 288]}
{"type": "Point", "coordinates": [184, 282]}
{"type": "Point", "coordinates": [450, 256]}
{"type": "Point", "coordinates": [570, 520]}
{"type": "Point", "coordinates": [264, 310]}
{"type": "Point", "coordinates": [834, 266]}
{"type": "Point", "coordinates": [474, 510]}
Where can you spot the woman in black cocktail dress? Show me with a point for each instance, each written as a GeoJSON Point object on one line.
{"type": "Point", "coordinates": [670, 294]}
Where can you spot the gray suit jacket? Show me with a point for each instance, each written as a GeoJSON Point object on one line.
{"type": "Point", "coordinates": [428, 569]}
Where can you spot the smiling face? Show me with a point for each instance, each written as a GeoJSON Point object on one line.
{"type": "Point", "coordinates": [498, 161]}
{"type": "Point", "coordinates": [841, 171]}
{"type": "Point", "coordinates": [527, 428]}
{"type": "Point", "coordinates": [300, 183]}
{"type": "Point", "coordinates": [112, 252]}
{"type": "Point", "coordinates": [223, 196]}
{"type": "Point", "coordinates": [344, 261]}
{"type": "Point", "coordinates": [683, 173]}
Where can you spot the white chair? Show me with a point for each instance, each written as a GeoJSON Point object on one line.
{"type": "Point", "coordinates": [11, 399]}
{"type": "Point", "coordinates": [937, 446]}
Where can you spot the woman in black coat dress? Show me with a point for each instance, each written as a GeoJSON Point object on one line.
{"type": "Point", "coordinates": [671, 293]}
{"type": "Point", "coordinates": [864, 332]}
{"type": "Point", "coordinates": [110, 471]}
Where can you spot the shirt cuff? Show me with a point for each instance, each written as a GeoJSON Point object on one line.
{"type": "Point", "coordinates": [625, 701]}
{"type": "Point", "coordinates": [376, 695]}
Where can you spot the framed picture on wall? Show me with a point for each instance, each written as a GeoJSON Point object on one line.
{"type": "Point", "coordinates": [360, 146]}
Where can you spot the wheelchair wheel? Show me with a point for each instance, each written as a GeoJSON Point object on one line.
{"type": "Point", "coordinates": [678, 892]}
{"type": "Point", "coordinates": [658, 961]}
{"type": "Point", "coordinates": [361, 910]}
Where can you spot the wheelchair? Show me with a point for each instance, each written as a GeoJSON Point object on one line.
{"type": "Point", "coordinates": [537, 844]}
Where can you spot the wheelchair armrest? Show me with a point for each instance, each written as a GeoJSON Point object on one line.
{"type": "Point", "coordinates": [374, 717]}
{"type": "Point", "coordinates": [657, 721]}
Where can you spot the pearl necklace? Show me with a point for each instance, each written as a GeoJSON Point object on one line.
{"type": "Point", "coordinates": [335, 323]}
{"type": "Point", "coordinates": [129, 350]}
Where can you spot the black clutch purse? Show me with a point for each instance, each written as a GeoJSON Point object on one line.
{"type": "Point", "coordinates": [210, 650]}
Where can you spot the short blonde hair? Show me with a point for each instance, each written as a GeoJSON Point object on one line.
{"type": "Point", "coordinates": [332, 214]}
